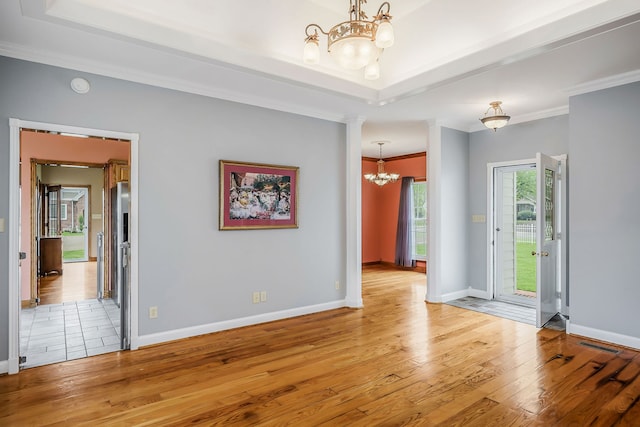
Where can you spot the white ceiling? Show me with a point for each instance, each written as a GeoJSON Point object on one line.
{"type": "Point", "coordinates": [450, 58]}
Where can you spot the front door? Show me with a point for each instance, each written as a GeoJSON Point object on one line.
{"type": "Point", "coordinates": [514, 235]}
{"type": "Point", "coordinates": [547, 249]}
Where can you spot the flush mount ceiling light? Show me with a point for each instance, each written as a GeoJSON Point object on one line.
{"type": "Point", "coordinates": [80, 85]}
{"type": "Point", "coordinates": [356, 43]}
{"type": "Point", "coordinates": [498, 119]}
{"type": "Point", "coordinates": [381, 178]}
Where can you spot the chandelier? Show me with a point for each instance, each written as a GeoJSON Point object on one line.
{"type": "Point", "coordinates": [355, 43]}
{"type": "Point", "coordinates": [381, 178]}
{"type": "Point", "coordinates": [498, 119]}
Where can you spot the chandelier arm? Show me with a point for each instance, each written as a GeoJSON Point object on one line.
{"type": "Point", "coordinates": [383, 15]}
{"type": "Point", "coordinates": [317, 27]}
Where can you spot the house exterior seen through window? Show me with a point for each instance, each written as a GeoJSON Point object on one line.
{"type": "Point", "coordinates": [419, 220]}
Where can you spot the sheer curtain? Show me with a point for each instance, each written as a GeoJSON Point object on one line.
{"type": "Point", "coordinates": [404, 234]}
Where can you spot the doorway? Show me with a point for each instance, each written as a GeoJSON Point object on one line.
{"type": "Point", "coordinates": [515, 210]}
{"type": "Point", "coordinates": [17, 244]}
{"type": "Point", "coordinates": [527, 241]}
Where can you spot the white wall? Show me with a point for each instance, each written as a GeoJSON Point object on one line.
{"type": "Point", "coordinates": [194, 273]}
{"type": "Point", "coordinates": [604, 200]}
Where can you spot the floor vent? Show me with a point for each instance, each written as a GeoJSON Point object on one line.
{"type": "Point", "coordinates": [599, 347]}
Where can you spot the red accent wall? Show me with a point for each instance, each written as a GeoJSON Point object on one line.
{"type": "Point", "coordinates": [380, 207]}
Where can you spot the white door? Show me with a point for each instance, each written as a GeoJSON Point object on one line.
{"type": "Point", "coordinates": [547, 248]}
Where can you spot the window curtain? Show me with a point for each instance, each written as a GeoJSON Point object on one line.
{"type": "Point", "coordinates": [404, 234]}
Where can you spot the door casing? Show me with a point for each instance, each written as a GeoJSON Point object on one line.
{"type": "Point", "coordinates": [14, 224]}
{"type": "Point", "coordinates": [562, 224]}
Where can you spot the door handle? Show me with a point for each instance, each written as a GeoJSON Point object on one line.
{"type": "Point", "coordinates": [543, 253]}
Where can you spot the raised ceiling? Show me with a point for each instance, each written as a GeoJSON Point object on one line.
{"type": "Point", "coordinates": [450, 59]}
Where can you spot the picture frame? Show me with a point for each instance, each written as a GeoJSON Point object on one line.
{"type": "Point", "coordinates": [257, 196]}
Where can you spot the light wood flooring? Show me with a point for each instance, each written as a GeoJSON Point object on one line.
{"type": "Point", "coordinates": [76, 283]}
{"type": "Point", "coordinates": [397, 361]}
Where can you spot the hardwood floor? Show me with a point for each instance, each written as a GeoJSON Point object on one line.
{"type": "Point", "coordinates": [397, 361]}
{"type": "Point", "coordinates": [77, 283]}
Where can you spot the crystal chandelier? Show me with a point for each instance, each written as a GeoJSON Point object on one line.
{"type": "Point", "coordinates": [498, 119]}
{"type": "Point", "coordinates": [355, 43]}
{"type": "Point", "coordinates": [381, 178]}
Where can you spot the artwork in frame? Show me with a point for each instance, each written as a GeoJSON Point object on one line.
{"type": "Point", "coordinates": [255, 195]}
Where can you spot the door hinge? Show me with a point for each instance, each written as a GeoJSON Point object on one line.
{"type": "Point", "coordinates": [22, 360]}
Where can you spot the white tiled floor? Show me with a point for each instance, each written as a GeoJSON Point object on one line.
{"type": "Point", "coordinates": [59, 332]}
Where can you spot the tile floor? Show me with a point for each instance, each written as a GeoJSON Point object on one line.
{"type": "Point", "coordinates": [71, 330]}
{"type": "Point", "coordinates": [519, 313]}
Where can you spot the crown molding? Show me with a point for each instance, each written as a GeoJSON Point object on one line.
{"type": "Point", "coordinates": [605, 83]}
{"type": "Point", "coordinates": [543, 114]}
{"type": "Point", "coordinates": [128, 74]}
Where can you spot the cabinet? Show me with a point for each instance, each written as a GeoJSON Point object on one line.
{"type": "Point", "coordinates": [50, 255]}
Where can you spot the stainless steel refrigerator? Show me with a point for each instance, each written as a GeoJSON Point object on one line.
{"type": "Point", "coordinates": [120, 257]}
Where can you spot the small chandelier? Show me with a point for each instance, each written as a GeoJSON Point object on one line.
{"type": "Point", "coordinates": [498, 119]}
{"type": "Point", "coordinates": [381, 178]}
{"type": "Point", "coordinates": [355, 43]}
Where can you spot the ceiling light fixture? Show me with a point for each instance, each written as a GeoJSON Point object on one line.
{"type": "Point", "coordinates": [381, 178]}
{"type": "Point", "coordinates": [355, 43]}
{"type": "Point", "coordinates": [498, 119]}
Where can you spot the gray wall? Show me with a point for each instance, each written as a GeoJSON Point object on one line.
{"type": "Point", "coordinates": [605, 207]}
{"type": "Point", "coordinates": [455, 210]}
{"type": "Point", "coordinates": [194, 273]}
{"type": "Point", "coordinates": [513, 142]}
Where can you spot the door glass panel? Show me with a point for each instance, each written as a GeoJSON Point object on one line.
{"type": "Point", "coordinates": [549, 204]}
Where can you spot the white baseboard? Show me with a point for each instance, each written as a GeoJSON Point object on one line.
{"type": "Point", "coordinates": [600, 335]}
{"type": "Point", "coordinates": [454, 295]}
{"type": "Point", "coordinates": [479, 293]}
{"type": "Point", "coordinates": [4, 366]}
{"type": "Point", "coordinates": [177, 334]}
{"type": "Point", "coordinates": [469, 292]}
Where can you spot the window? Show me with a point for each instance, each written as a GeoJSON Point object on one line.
{"type": "Point", "coordinates": [419, 220]}
{"type": "Point", "coordinates": [63, 211]}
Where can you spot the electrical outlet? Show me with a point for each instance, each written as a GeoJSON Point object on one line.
{"type": "Point", "coordinates": [337, 284]}
{"type": "Point", "coordinates": [263, 296]}
{"type": "Point", "coordinates": [153, 312]}
{"type": "Point", "coordinates": [256, 297]}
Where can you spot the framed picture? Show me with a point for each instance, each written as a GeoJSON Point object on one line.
{"type": "Point", "coordinates": [254, 195]}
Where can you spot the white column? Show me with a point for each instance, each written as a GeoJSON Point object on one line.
{"type": "Point", "coordinates": [354, 212]}
{"type": "Point", "coordinates": [434, 212]}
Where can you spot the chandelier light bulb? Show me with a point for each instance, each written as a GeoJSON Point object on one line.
{"type": "Point", "coordinates": [311, 53]}
{"type": "Point", "coordinates": [384, 35]}
{"type": "Point", "coordinates": [372, 71]}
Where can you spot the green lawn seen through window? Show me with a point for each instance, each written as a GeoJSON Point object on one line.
{"type": "Point", "coordinates": [526, 267]}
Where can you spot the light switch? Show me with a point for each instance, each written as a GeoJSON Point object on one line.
{"type": "Point", "coordinates": [478, 218]}
{"type": "Point", "coordinates": [1, 225]}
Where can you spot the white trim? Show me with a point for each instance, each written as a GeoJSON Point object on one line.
{"type": "Point", "coordinates": [14, 247]}
{"type": "Point", "coordinates": [604, 83]}
{"type": "Point", "coordinates": [224, 325]}
{"type": "Point", "coordinates": [14, 218]}
{"type": "Point", "coordinates": [153, 79]}
{"type": "Point", "coordinates": [353, 212]}
{"type": "Point", "coordinates": [478, 293]}
{"type": "Point", "coordinates": [529, 117]}
{"type": "Point", "coordinates": [434, 206]}
{"type": "Point", "coordinates": [454, 295]}
{"type": "Point", "coordinates": [4, 366]}
{"type": "Point", "coordinates": [600, 335]}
